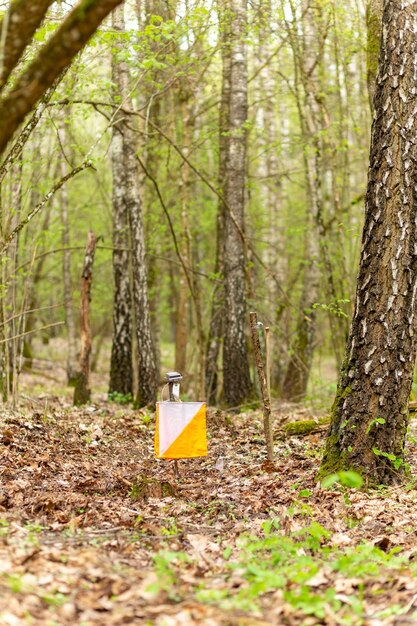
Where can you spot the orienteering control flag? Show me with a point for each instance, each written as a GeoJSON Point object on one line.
{"type": "Point", "coordinates": [180, 430]}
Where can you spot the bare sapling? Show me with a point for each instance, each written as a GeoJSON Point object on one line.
{"type": "Point", "coordinates": [263, 385]}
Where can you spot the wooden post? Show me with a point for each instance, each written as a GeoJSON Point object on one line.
{"type": "Point", "coordinates": [268, 361]}
{"type": "Point", "coordinates": [82, 391]}
{"type": "Point", "coordinates": [263, 385]}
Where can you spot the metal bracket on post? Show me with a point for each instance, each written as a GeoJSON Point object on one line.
{"type": "Point", "coordinates": [173, 379]}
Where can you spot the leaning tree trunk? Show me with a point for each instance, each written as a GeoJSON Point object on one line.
{"type": "Point", "coordinates": [236, 374]}
{"type": "Point", "coordinates": [121, 362]}
{"type": "Point", "coordinates": [369, 416]}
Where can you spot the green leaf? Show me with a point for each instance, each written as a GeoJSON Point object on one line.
{"type": "Point", "coordinates": [347, 478]}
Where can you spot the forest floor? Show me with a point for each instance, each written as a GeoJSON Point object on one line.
{"type": "Point", "coordinates": [95, 531]}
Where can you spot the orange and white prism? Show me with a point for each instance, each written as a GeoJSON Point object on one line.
{"type": "Point", "coordinates": [180, 430]}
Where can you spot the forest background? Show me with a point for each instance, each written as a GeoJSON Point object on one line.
{"type": "Point", "coordinates": [197, 161]}
{"type": "Point", "coordinates": [160, 71]}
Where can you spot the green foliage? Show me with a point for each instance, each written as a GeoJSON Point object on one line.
{"type": "Point", "coordinates": [396, 461]}
{"type": "Point", "coordinates": [377, 420]}
{"type": "Point", "coordinates": [334, 306]}
{"type": "Point", "coordinates": [166, 574]}
{"type": "Point", "coordinates": [120, 398]}
{"type": "Point", "coordinates": [300, 566]}
{"type": "Point", "coordinates": [346, 478]}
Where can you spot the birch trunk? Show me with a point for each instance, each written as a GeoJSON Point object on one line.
{"type": "Point", "coordinates": [146, 362]}
{"type": "Point", "coordinates": [121, 362]}
{"type": "Point", "coordinates": [369, 416]}
{"type": "Point", "coordinates": [236, 375]}
{"type": "Point", "coordinates": [374, 26]}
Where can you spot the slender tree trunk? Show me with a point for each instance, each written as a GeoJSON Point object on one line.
{"type": "Point", "coordinates": [271, 111]}
{"type": "Point", "coordinates": [9, 282]}
{"type": "Point", "coordinates": [301, 358]}
{"type": "Point", "coordinates": [82, 390]}
{"type": "Point", "coordinates": [182, 310]}
{"type": "Point", "coordinates": [72, 368]}
{"type": "Point", "coordinates": [121, 362]}
{"type": "Point", "coordinates": [236, 374]}
{"type": "Point", "coordinates": [369, 416]}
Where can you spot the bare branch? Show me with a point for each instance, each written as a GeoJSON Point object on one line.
{"type": "Point", "coordinates": [17, 29]}
{"type": "Point", "coordinates": [41, 204]}
{"type": "Point", "coordinates": [56, 55]}
{"type": "Point", "coordinates": [17, 148]}
{"type": "Point", "coordinates": [30, 332]}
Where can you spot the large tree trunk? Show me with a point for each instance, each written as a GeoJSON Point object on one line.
{"type": "Point", "coordinates": [236, 374]}
{"type": "Point", "coordinates": [217, 308]}
{"type": "Point", "coordinates": [374, 27]}
{"type": "Point", "coordinates": [147, 372]}
{"type": "Point", "coordinates": [121, 362]}
{"type": "Point", "coordinates": [146, 367]}
{"type": "Point", "coordinates": [369, 417]}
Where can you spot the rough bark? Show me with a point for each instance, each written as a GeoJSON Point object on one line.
{"type": "Point", "coordinates": [217, 308]}
{"type": "Point", "coordinates": [121, 363]}
{"type": "Point", "coordinates": [82, 391]}
{"type": "Point", "coordinates": [369, 416]}
{"type": "Point", "coordinates": [51, 60]}
{"type": "Point", "coordinates": [236, 375]}
{"type": "Point", "coordinates": [147, 372]}
{"type": "Point", "coordinates": [148, 378]}
{"type": "Point", "coordinates": [374, 28]}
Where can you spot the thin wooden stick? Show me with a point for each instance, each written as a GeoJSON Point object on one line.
{"type": "Point", "coordinates": [263, 384]}
{"type": "Point", "coordinates": [268, 361]}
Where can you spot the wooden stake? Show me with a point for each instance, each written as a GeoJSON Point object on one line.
{"type": "Point", "coordinates": [268, 361]}
{"type": "Point", "coordinates": [82, 391]}
{"type": "Point", "coordinates": [263, 384]}
{"type": "Point", "coordinates": [176, 468]}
